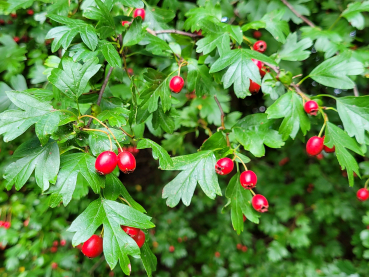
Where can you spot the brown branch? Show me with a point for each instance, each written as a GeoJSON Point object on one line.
{"type": "Point", "coordinates": [356, 91]}
{"type": "Point", "coordinates": [176, 32]}
{"type": "Point", "coordinates": [307, 21]}
{"type": "Point", "coordinates": [101, 92]}
{"type": "Point", "coordinates": [222, 118]}
{"type": "Point", "coordinates": [131, 136]}
{"type": "Point", "coordinates": [275, 68]}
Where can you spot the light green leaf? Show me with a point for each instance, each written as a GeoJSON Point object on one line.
{"type": "Point", "coordinates": [117, 117]}
{"type": "Point", "coordinates": [212, 41]}
{"type": "Point", "coordinates": [158, 152]}
{"type": "Point", "coordinates": [198, 78]}
{"type": "Point", "coordinates": [135, 33]}
{"type": "Point", "coordinates": [99, 142]}
{"type": "Point", "coordinates": [295, 51]}
{"type": "Point", "coordinates": [353, 14]}
{"type": "Point", "coordinates": [276, 26]}
{"type": "Point", "coordinates": [272, 87]}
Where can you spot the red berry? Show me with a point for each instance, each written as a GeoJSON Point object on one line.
{"type": "Point", "coordinates": [176, 84]}
{"type": "Point", "coordinates": [139, 12]}
{"type": "Point", "coordinates": [106, 162]}
{"type": "Point", "coordinates": [199, 32]}
{"type": "Point", "coordinates": [257, 34]}
{"type": "Point", "coordinates": [244, 248]}
{"type": "Point", "coordinates": [111, 273]}
{"type": "Point", "coordinates": [239, 246]}
{"type": "Point", "coordinates": [2, 22]}
{"type": "Point", "coordinates": [254, 87]}
{"type": "Point", "coordinates": [30, 12]}
{"type": "Point", "coordinates": [140, 238]}
{"type": "Point", "coordinates": [362, 194]}
{"type": "Point", "coordinates": [63, 242]}
{"type": "Point", "coordinates": [79, 246]}
{"type": "Point", "coordinates": [131, 231]}
{"type": "Point", "coordinates": [126, 162]}
{"type": "Point", "coordinates": [125, 22]}
{"type": "Point", "coordinates": [217, 254]}
{"type": "Point", "coordinates": [93, 247]}
{"type": "Point", "coordinates": [130, 71]}
{"type": "Point", "coordinates": [54, 249]}
{"type": "Point", "coordinates": [329, 150]}
{"type": "Point", "coordinates": [311, 107]}
{"type": "Point", "coordinates": [16, 39]}
{"type": "Point", "coordinates": [260, 46]}
{"type": "Point", "coordinates": [1, 223]}
{"type": "Point", "coordinates": [314, 145]}
{"type": "Point", "coordinates": [244, 218]}
{"type": "Point", "coordinates": [284, 161]}
{"type": "Point", "coordinates": [7, 225]}
{"type": "Point", "coordinates": [248, 179]}
{"type": "Point", "coordinates": [55, 243]}
{"type": "Point", "coordinates": [171, 248]}
{"type": "Point", "coordinates": [320, 156]}
{"type": "Point", "coordinates": [260, 203]}
{"type": "Point", "coordinates": [260, 65]}
{"type": "Point", "coordinates": [13, 15]}
{"type": "Point", "coordinates": [224, 166]}
{"type": "Point", "coordinates": [54, 265]}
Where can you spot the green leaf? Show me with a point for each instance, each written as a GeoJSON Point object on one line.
{"type": "Point", "coordinates": [295, 51]}
{"type": "Point", "coordinates": [198, 78]}
{"type": "Point", "coordinates": [117, 117]}
{"type": "Point", "coordinates": [334, 72]}
{"type": "Point", "coordinates": [148, 259]}
{"type": "Point", "coordinates": [33, 157]}
{"type": "Point", "coordinates": [105, 26]}
{"type": "Point", "coordinates": [99, 142]}
{"type": "Point", "coordinates": [46, 126]}
{"type": "Point", "coordinates": [276, 251]}
{"type": "Point", "coordinates": [276, 26]}
{"type": "Point", "coordinates": [240, 204]}
{"type": "Point", "coordinates": [241, 69]}
{"type": "Point", "coordinates": [5, 103]}
{"type": "Point", "coordinates": [196, 15]}
{"type": "Point", "coordinates": [164, 120]}
{"type": "Point", "coordinates": [110, 53]}
{"type": "Point", "coordinates": [354, 113]}
{"type": "Point", "coordinates": [132, 3]}
{"type": "Point", "coordinates": [19, 4]}
{"type": "Point", "coordinates": [156, 45]}
{"type": "Point", "coordinates": [14, 123]}
{"type": "Point", "coordinates": [272, 87]}
{"type": "Point", "coordinates": [215, 142]}
{"type": "Point", "coordinates": [196, 168]}
{"type": "Point", "coordinates": [12, 56]}
{"type": "Point", "coordinates": [353, 14]}
{"type": "Point", "coordinates": [334, 136]}
{"type": "Point", "coordinates": [212, 41]}
{"type": "Point", "coordinates": [71, 166]}
{"type": "Point", "coordinates": [157, 18]}
{"type": "Point", "coordinates": [135, 33]}
{"type": "Point", "coordinates": [72, 80]}
{"type": "Point", "coordinates": [117, 244]}
{"type": "Point", "coordinates": [289, 106]}
{"type": "Point", "coordinates": [253, 131]}
{"type": "Point", "coordinates": [255, 25]}
{"type": "Point", "coordinates": [158, 152]}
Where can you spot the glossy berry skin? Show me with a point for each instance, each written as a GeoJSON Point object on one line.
{"type": "Point", "coordinates": [139, 12]}
{"type": "Point", "coordinates": [125, 22]}
{"type": "Point", "coordinates": [63, 242]}
{"type": "Point", "coordinates": [16, 39]}
{"type": "Point", "coordinates": [13, 15]}
{"type": "Point", "coordinates": [254, 87]}
{"type": "Point", "coordinates": [126, 162]}
{"type": "Point", "coordinates": [362, 194]}
{"type": "Point", "coordinates": [30, 12]}
{"type": "Point", "coordinates": [7, 225]}
{"type": "Point", "coordinates": [199, 32]}
{"type": "Point", "coordinates": [106, 162]}
{"type": "Point", "coordinates": [329, 150]}
{"type": "Point", "coordinates": [314, 145]}
{"type": "Point", "coordinates": [260, 65]}
{"type": "Point", "coordinates": [260, 203]}
{"type": "Point", "coordinates": [311, 107]}
{"type": "Point", "coordinates": [131, 231]}
{"type": "Point", "coordinates": [1, 223]}
{"type": "Point", "coordinates": [140, 238]}
{"type": "Point", "coordinates": [248, 179]}
{"type": "Point", "coordinates": [53, 249]}
{"type": "Point", "coordinates": [257, 34]}
{"type": "Point", "coordinates": [171, 248]}
{"type": "Point", "coordinates": [244, 218]}
{"type": "Point", "coordinates": [260, 46]}
{"type": "Point", "coordinates": [55, 243]}
{"type": "Point", "coordinates": [54, 265]}
{"type": "Point", "coordinates": [93, 247]}
{"type": "Point", "coordinates": [176, 84]}
{"type": "Point", "coordinates": [224, 166]}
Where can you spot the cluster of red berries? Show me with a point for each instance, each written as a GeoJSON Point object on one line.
{"type": "Point", "coordinates": [107, 161]}
{"type": "Point", "coordinates": [54, 248]}
{"type": "Point", "coordinates": [132, 149]}
{"type": "Point", "coordinates": [248, 180]}
{"type": "Point", "coordinates": [259, 46]}
{"type": "Point", "coordinates": [241, 247]}
{"type": "Point", "coordinates": [138, 12]}
{"type": "Point", "coordinates": [5, 224]}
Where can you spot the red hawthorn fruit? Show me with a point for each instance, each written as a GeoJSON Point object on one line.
{"type": "Point", "coordinates": [314, 145]}
{"type": "Point", "coordinates": [140, 238]}
{"type": "Point", "coordinates": [139, 12]}
{"type": "Point", "coordinates": [224, 166]}
{"type": "Point", "coordinates": [13, 15]}
{"type": "Point", "coordinates": [54, 265]}
{"type": "Point", "coordinates": [320, 156]}
{"type": "Point", "coordinates": [126, 162]}
{"type": "Point", "coordinates": [248, 179]}
{"type": "Point", "coordinates": [199, 32]}
{"type": "Point", "coordinates": [93, 247]}
{"type": "Point", "coordinates": [284, 161]}
{"type": "Point", "coordinates": [30, 12]}
{"type": "Point", "coordinates": [310, 188]}
{"type": "Point", "coordinates": [244, 248]}
{"type": "Point", "coordinates": [2, 223]}
{"type": "Point", "coordinates": [329, 150]}
{"type": "Point", "coordinates": [106, 162]}
{"type": "Point", "coordinates": [131, 231]}
{"type": "Point", "coordinates": [260, 65]}
{"type": "Point", "coordinates": [260, 46]}
{"type": "Point", "coordinates": [171, 248]}
{"type": "Point", "coordinates": [311, 107]}
{"type": "Point", "coordinates": [125, 22]}
{"type": "Point", "coordinates": [16, 39]}
{"type": "Point", "coordinates": [239, 246]}
{"type": "Point", "coordinates": [362, 194]}
{"type": "Point", "coordinates": [179, 240]}
{"type": "Point", "coordinates": [79, 246]}
{"type": "Point", "coordinates": [254, 87]}
{"type": "Point", "coordinates": [130, 71]}
{"type": "Point", "coordinates": [53, 249]}
{"type": "Point", "coordinates": [2, 22]}
{"type": "Point", "coordinates": [176, 84]}
{"type": "Point", "coordinates": [256, 34]}
{"type": "Point", "coordinates": [217, 254]}
{"type": "Point", "coordinates": [260, 203]}
{"type": "Point", "coordinates": [63, 242]}
{"type": "Point", "coordinates": [244, 218]}
{"type": "Point", "coordinates": [7, 225]}
{"type": "Point", "coordinates": [55, 243]}
{"type": "Point", "coordinates": [111, 273]}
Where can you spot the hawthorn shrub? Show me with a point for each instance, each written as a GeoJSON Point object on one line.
{"type": "Point", "coordinates": [243, 125]}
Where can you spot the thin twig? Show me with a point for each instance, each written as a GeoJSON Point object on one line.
{"type": "Point", "coordinates": [222, 117]}
{"type": "Point", "coordinates": [356, 91]}
{"type": "Point", "coordinates": [307, 21]}
{"type": "Point", "coordinates": [97, 265]}
{"type": "Point", "coordinates": [131, 136]}
{"type": "Point", "coordinates": [101, 92]}
{"type": "Point", "coordinates": [192, 35]}
{"type": "Point", "coordinates": [275, 68]}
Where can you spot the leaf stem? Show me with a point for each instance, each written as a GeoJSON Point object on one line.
{"type": "Point", "coordinates": [307, 21]}
{"type": "Point", "coordinates": [303, 79]}
{"type": "Point", "coordinates": [125, 200]}
{"type": "Point", "coordinates": [67, 111]}
{"type": "Point", "coordinates": [222, 118]}
{"type": "Point", "coordinates": [366, 183]}
{"type": "Point", "coordinates": [131, 136]}
{"type": "Point", "coordinates": [192, 35]}
{"type": "Point", "coordinates": [334, 23]}
{"type": "Point", "coordinates": [329, 108]}
{"type": "Point", "coordinates": [253, 193]}
{"type": "Point", "coordinates": [326, 95]}
{"type": "Point", "coordinates": [95, 130]}
{"type": "Point", "coordinates": [235, 155]}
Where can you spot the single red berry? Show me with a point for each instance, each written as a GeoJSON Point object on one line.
{"type": "Point", "coordinates": [140, 238]}
{"type": "Point", "coordinates": [320, 156]}
{"type": "Point", "coordinates": [13, 15]}
{"type": "Point", "coordinates": [314, 145]}
{"type": "Point", "coordinates": [199, 32]}
{"type": "Point", "coordinates": [139, 12]}
{"type": "Point", "coordinates": [53, 249]}
{"type": "Point", "coordinates": [111, 273]}
{"type": "Point", "coordinates": [224, 166]}
{"type": "Point", "coordinates": [55, 243]}
{"type": "Point", "coordinates": [260, 46]}
{"type": "Point", "coordinates": [239, 246]}
{"type": "Point", "coordinates": [176, 84]}
{"type": "Point", "coordinates": [329, 150]}
{"type": "Point", "coordinates": [244, 218]}
{"type": "Point", "coordinates": [126, 162]}
{"type": "Point", "coordinates": [30, 12]}
{"type": "Point", "coordinates": [311, 107]}
{"type": "Point", "coordinates": [254, 87]}
{"type": "Point", "coordinates": [257, 34]}
{"type": "Point", "coordinates": [79, 246]}
{"type": "Point", "coordinates": [54, 265]}
{"type": "Point", "coordinates": [63, 242]}
{"type": "Point", "coordinates": [2, 22]}
{"type": "Point", "coordinates": [131, 231]}
{"type": "Point", "coordinates": [93, 247]}
{"type": "Point", "coordinates": [244, 248]}
{"type": "Point", "coordinates": [106, 162]}
{"type": "Point", "coordinates": [171, 248]}
{"type": "Point", "coordinates": [260, 203]}
{"type": "Point", "coordinates": [130, 71]}
{"type": "Point", "coordinates": [248, 179]}
{"type": "Point", "coordinates": [362, 194]}
{"type": "Point", "coordinates": [125, 22]}
{"type": "Point", "coordinates": [217, 254]}
{"type": "Point", "coordinates": [7, 225]}
{"type": "Point", "coordinates": [1, 223]}
{"type": "Point", "coordinates": [16, 39]}
{"type": "Point", "coordinates": [260, 65]}
{"type": "Point", "coordinates": [284, 161]}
